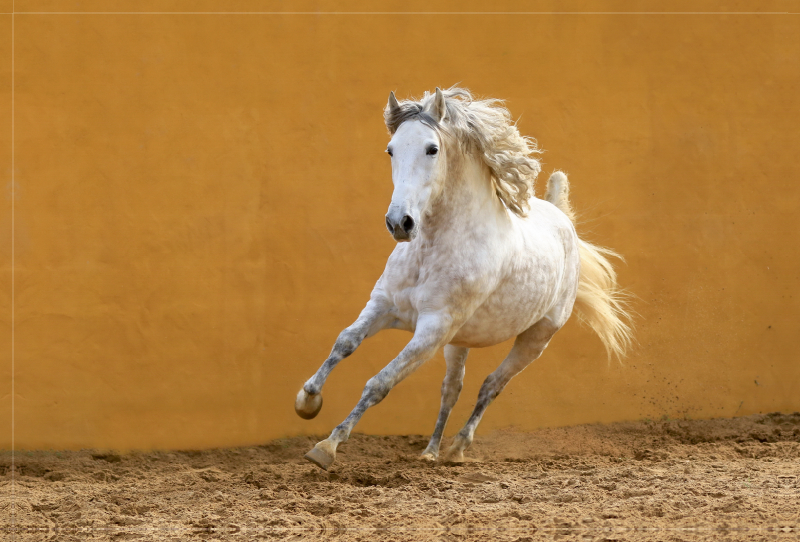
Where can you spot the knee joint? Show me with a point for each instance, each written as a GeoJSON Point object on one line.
{"type": "Point", "coordinates": [452, 386]}
{"type": "Point", "coordinates": [346, 344]}
{"type": "Point", "coordinates": [375, 390]}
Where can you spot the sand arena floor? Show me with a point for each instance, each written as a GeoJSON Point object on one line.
{"type": "Point", "coordinates": [727, 479]}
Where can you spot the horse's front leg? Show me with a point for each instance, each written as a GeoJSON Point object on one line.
{"type": "Point", "coordinates": [432, 331]}
{"type": "Point", "coordinates": [372, 319]}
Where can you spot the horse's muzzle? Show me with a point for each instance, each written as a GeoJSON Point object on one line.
{"type": "Point", "coordinates": [402, 227]}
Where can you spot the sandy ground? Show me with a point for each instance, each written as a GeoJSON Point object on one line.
{"type": "Point", "coordinates": [727, 479]}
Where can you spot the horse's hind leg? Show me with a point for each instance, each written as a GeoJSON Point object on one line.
{"type": "Point", "coordinates": [529, 345]}
{"type": "Point", "coordinates": [456, 357]}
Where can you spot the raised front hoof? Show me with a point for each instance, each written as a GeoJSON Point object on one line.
{"type": "Point", "coordinates": [307, 406]}
{"type": "Point", "coordinates": [322, 455]}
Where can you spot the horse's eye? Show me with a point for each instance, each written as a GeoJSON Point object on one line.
{"type": "Point", "coordinates": [432, 150]}
{"type": "Point", "coordinates": [389, 152]}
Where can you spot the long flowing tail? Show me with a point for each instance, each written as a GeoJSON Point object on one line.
{"type": "Point", "coordinates": [600, 302]}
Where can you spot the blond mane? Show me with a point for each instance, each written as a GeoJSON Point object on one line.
{"type": "Point", "coordinates": [484, 127]}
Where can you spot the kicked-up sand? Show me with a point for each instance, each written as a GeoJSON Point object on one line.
{"type": "Point", "coordinates": [724, 479]}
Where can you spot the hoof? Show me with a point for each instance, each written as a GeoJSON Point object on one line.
{"type": "Point", "coordinates": [428, 456]}
{"type": "Point", "coordinates": [322, 455]}
{"type": "Point", "coordinates": [307, 406]}
{"type": "Point", "coordinates": [455, 455]}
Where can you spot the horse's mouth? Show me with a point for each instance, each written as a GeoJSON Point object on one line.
{"type": "Point", "coordinates": [403, 237]}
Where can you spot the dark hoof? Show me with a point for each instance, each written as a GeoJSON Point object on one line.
{"type": "Point", "coordinates": [307, 406]}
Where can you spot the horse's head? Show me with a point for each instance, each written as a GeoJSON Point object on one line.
{"type": "Point", "coordinates": [418, 164]}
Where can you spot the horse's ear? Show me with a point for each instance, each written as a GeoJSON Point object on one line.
{"type": "Point", "coordinates": [392, 105]}
{"type": "Point", "coordinates": [437, 108]}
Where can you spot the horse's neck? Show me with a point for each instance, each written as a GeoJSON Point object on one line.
{"type": "Point", "coordinates": [467, 202]}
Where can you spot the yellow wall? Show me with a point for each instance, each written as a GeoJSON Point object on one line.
{"type": "Point", "coordinates": [200, 199]}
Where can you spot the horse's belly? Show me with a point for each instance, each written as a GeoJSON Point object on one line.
{"type": "Point", "coordinates": [506, 314]}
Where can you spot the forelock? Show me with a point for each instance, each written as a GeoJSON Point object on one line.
{"type": "Point", "coordinates": [408, 110]}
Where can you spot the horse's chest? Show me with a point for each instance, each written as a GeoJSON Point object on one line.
{"type": "Point", "coordinates": [406, 291]}
{"type": "Point", "coordinates": [415, 286]}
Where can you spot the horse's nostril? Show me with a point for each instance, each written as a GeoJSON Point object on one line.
{"type": "Point", "coordinates": [407, 224]}
{"type": "Point", "coordinates": [389, 226]}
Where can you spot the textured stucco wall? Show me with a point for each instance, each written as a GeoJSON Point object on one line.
{"type": "Point", "coordinates": [199, 206]}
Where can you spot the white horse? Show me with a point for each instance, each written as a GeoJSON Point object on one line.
{"type": "Point", "coordinates": [479, 260]}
